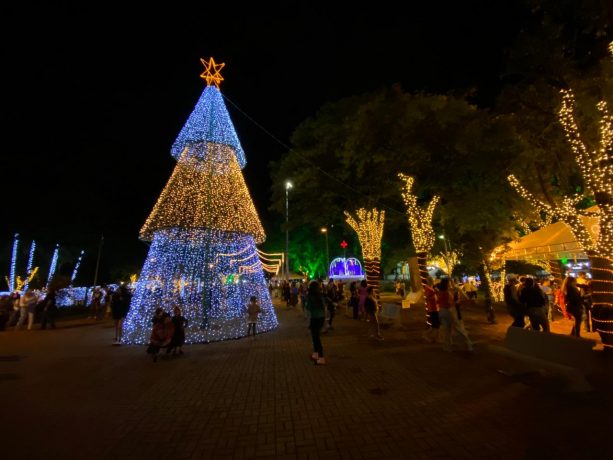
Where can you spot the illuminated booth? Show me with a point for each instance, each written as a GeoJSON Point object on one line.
{"type": "Point", "coordinates": [346, 268]}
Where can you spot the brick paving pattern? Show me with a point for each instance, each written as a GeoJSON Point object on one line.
{"type": "Point", "coordinates": [68, 393]}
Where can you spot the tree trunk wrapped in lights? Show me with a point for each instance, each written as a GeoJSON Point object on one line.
{"type": "Point", "coordinates": [203, 232]}
{"type": "Point", "coordinates": [596, 167]}
{"type": "Point", "coordinates": [597, 170]}
{"type": "Point", "coordinates": [369, 227]}
{"type": "Point", "coordinates": [420, 221]}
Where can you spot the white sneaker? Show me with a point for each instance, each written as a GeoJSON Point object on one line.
{"type": "Point", "coordinates": [315, 356]}
{"type": "Point", "coordinates": [321, 361]}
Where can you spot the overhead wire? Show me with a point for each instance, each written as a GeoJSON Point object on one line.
{"type": "Point", "coordinates": [323, 171]}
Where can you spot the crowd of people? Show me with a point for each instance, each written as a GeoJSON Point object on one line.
{"type": "Point", "coordinates": [539, 301]}
{"type": "Point", "coordinates": [525, 297]}
{"type": "Point", "coordinates": [22, 311]}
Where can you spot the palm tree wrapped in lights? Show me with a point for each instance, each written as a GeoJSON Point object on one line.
{"type": "Point", "coordinates": [368, 224]}
{"type": "Point", "coordinates": [420, 221]}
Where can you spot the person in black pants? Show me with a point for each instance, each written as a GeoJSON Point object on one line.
{"type": "Point", "coordinates": [354, 300]}
{"type": "Point", "coordinates": [574, 303]}
{"type": "Point", "coordinates": [49, 310]}
{"type": "Point", "coordinates": [316, 309]}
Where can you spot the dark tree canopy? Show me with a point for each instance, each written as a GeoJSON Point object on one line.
{"type": "Point", "coordinates": [349, 156]}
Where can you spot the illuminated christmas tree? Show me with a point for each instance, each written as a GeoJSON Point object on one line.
{"type": "Point", "coordinates": [203, 232]}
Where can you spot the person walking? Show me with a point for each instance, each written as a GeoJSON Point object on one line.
{"type": "Point", "coordinates": [514, 306]}
{"type": "Point", "coordinates": [96, 304]}
{"type": "Point", "coordinates": [534, 300]}
{"type": "Point", "coordinates": [449, 317]}
{"type": "Point", "coordinates": [178, 337]}
{"type": "Point", "coordinates": [371, 307]}
{"type": "Point", "coordinates": [574, 303]}
{"type": "Point", "coordinates": [316, 308]}
{"type": "Point", "coordinates": [120, 305]}
{"type": "Point", "coordinates": [253, 309]}
{"type": "Point", "coordinates": [433, 322]}
{"type": "Point", "coordinates": [354, 299]}
{"type": "Point", "coordinates": [49, 310]}
{"type": "Point", "coordinates": [585, 288]}
{"type": "Point", "coordinates": [331, 298]}
{"type": "Point", "coordinates": [362, 294]}
{"type": "Point", "coordinates": [27, 304]}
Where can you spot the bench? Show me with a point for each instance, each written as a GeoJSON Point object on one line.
{"type": "Point", "coordinates": [411, 298]}
{"type": "Point", "coordinates": [563, 355]}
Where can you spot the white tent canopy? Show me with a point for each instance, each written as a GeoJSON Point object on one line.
{"type": "Point", "coordinates": [553, 242]}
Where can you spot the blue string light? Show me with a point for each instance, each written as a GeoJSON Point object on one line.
{"type": "Point", "coordinates": [53, 264]}
{"type": "Point", "coordinates": [209, 122]}
{"type": "Point", "coordinates": [76, 268]}
{"type": "Point", "coordinates": [13, 263]}
{"type": "Point", "coordinates": [182, 269]}
{"type": "Point", "coordinates": [30, 263]}
{"type": "Point", "coordinates": [203, 233]}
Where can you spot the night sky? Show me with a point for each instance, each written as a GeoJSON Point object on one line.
{"type": "Point", "coordinates": [94, 96]}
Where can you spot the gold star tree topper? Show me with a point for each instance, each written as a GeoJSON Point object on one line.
{"type": "Point", "coordinates": [211, 72]}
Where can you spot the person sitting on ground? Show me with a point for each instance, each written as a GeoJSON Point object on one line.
{"type": "Point", "coordinates": [161, 333]}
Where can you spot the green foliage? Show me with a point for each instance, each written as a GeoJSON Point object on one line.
{"type": "Point", "coordinates": [349, 154]}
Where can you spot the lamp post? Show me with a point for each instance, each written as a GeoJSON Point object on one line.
{"type": "Point", "coordinates": [324, 230]}
{"type": "Point", "coordinates": [442, 237]}
{"type": "Point", "coordinates": [288, 185]}
{"type": "Point", "coordinates": [447, 255]}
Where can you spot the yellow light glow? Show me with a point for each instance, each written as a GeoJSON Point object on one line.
{"type": "Point", "coordinates": [369, 227]}
{"type": "Point", "coordinates": [420, 219]}
{"type": "Point", "coordinates": [445, 261]}
{"type": "Point", "coordinates": [209, 193]}
{"type": "Point", "coordinates": [565, 210]}
{"type": "Point", "coordinates": [211, 73]}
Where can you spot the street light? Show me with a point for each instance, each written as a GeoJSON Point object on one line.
{"type": "Point", "coordinates": [288, 185]}
{"type": "Point", "coordinates": [442, 237]}
{"type": "Point", "coordinates": [324, 230]}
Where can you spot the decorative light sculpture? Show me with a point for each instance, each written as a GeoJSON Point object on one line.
{"type": "Point", "coordinates": [53, 265]}
{"type": "Point", "coordinates": [30, 263]}
{"type": "Point", "coordinates": [76, 268]}
{"type": "Point", "coordinates": [13, 263]}
{"type": "Point", "coordinates": [203, 232]}
{"type": "Point", "coordinates": [420, 221]}
{"type": "Point", "coordinates": [345, 268]}
{"type": "Point", "coordinates": [369, 227]}
{"type": "Point", "coordinates": [446, 261]}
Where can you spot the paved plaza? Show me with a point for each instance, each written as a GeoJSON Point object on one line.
{"type": "Point", "coordinates": [69, 394]}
